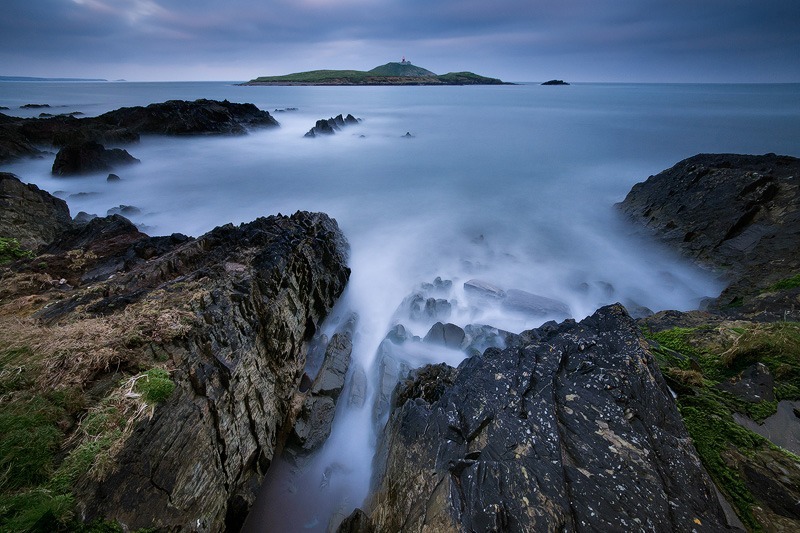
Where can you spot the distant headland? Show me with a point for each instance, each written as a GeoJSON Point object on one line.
{"type": "Point", "coordinates": [394, 73]}
{"type": "Point", "coordinates": [30, 78]}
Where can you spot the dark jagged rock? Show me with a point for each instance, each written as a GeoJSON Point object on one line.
{"type": "Point", "coordinates": [571, 428]}
{"type": "Point", "coordinates": [262, 290]}
{"type": "Point", "coordinates": [30, 215]}
{"type": "Point", "coordinates": [738, 214]}
{"type": "Point", "coordinates": [314, 422]}
{"type": "Point", "coordinates": [180, 117]}
{"type": "Point", "coordinates": [23, 137]}
{"type": "Point", "coordinates": [112, 178]}
{"type": "Point", "coordinates": [89, 157]}
{"type": "Point", "coordinates": [331, 125]}
{"type": "Point", "coordinates": [226, 316]}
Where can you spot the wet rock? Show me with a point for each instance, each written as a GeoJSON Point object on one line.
{"type": "Point", "coordinates": [89, 157]}
{"type": "Point", "coordinates": [570, 428]}
{"type": "Point", "coordinates": [754, 384]}
{"type": "Point", "coordinates": [112, 178]}
{"type": "Point", "coordinates": [315, 420]}
{"type": "Point", "coordinates": [447, 335]}
{"type": "Point", "coordinates": [480, 337]}
{"type": "Point", "coordinates": [739, 214]}
{"type": "Point", "coordinates": [29, 214]}
{"type": "Point", "coordinates": [358, 388]}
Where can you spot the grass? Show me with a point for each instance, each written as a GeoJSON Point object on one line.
{"type": "Point", "coordinates": [54, 429]}
{"type": "Point", "coordinates": [10, 250]}
{"type": "Point", "coordinates": [696, 360]}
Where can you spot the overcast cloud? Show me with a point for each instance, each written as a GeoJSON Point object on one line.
{"type": "Point", "coordinates": [517, 40]}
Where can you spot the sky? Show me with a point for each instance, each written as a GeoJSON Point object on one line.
{"type": "Point", "coordinates": [515, 40]}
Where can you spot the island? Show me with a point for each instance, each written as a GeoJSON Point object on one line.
{"type": "Point", "coordinates": [555, 82]}
{"type": "Point", "coordinates": [393, 73]}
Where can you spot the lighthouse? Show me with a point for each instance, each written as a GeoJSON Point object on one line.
{"type": "Point", "coordinates": [404, 62]}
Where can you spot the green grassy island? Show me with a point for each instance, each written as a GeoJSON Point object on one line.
{"type": "Point", "coordinates": [394, 73]}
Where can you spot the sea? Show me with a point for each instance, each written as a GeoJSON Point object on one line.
{"type": "Point", "coordinates": [511, 185]}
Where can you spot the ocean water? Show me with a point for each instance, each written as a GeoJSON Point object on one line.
{"type": "Point", "coordinates": [511, 185]}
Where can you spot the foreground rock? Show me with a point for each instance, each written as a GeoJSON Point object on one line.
{"type": "Point", "coordinates": [28, 214]}
{"type": "Point", "coordinates": [25, 137]}
{"type": "Point", "coordinates": [180, 356]}
{"type": "Point", "coordinates": [738, 214]}
{"type": "Point", "coordinates": [88, 157]}
{"type": "Point", "coordinates": [571, 428]}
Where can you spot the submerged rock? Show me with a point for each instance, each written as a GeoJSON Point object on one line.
{"type": "Point", "coordinates": [331, 125]}
{"type": "Point", "coordinates": [570, 428]}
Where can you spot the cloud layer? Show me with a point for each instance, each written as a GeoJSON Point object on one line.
{"type": "Point", "coordinates": [585, 40]}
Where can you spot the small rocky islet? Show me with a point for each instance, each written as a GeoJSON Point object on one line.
{"type": "Point", "coordinates": [149, 382]}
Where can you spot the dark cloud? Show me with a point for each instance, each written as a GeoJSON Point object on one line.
{"type": "Point", "coordinates": [629, 40]}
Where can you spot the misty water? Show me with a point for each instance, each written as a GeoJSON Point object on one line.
{"type": "Point", "coordinates": [510, 185]}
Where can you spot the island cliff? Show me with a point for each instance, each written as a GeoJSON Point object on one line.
{"type": "Point", "coordinates": [396, 73]}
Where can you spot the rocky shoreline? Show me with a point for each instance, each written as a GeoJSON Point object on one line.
{"type": "Point", "coordinates": [149, 382]}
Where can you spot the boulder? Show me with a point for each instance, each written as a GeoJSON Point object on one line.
{"type": "Point", "coordinates": [739, 214]}
{"type": "Point", "coordinates": [89, 157]}
{"type": "Point", "coordinates": [447, 335]}
{"type": "Point", "coordinates": [570, 428]}
{"type": "Point", "coordinates": [29, 214]}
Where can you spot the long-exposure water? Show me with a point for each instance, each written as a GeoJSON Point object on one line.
{"type": "Point", "coordinates": [512, 185]}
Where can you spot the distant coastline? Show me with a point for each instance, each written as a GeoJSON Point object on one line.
{"type": "Point", "coordinates": [393, 73]}
{"type": "Point", "coordinates": [31, 78]}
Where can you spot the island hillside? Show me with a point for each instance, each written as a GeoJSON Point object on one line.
{"type": "Point", "coordinates": [393, 73]}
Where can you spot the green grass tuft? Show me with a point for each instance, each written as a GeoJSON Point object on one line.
{"type": "Point", "coordinates": [156, 387]}
{"type": "Point", "coordinates": [10, 250]}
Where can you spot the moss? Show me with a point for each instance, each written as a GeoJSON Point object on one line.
{"type": "Point", "coordinates": [156, 386]}
{"type": "Point", "coordinates": [10, 250]}
{"type": "Point", "coordinates": [785, 284]}
{"type": "Point", "coordinates": [713, 431]}
{"type": "Point", "coordinates": [696, 360]}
